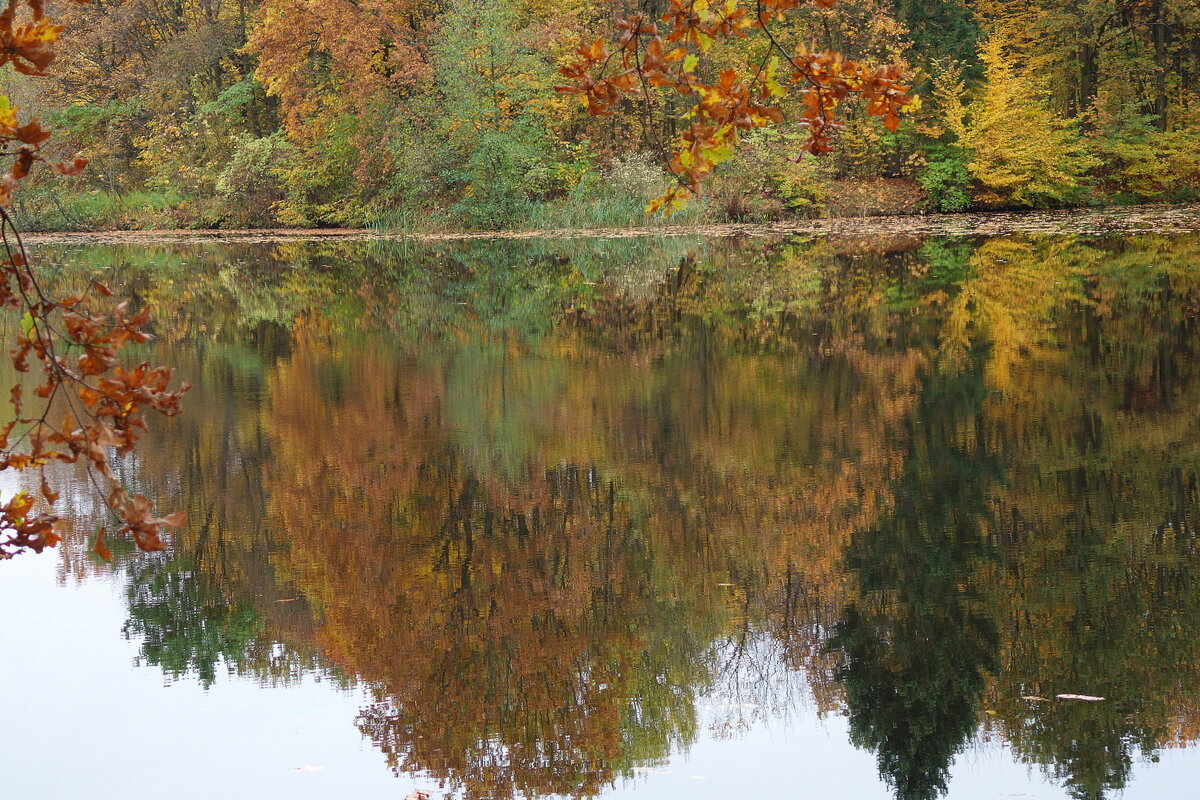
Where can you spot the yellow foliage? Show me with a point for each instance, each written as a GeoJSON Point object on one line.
{"type": "Point", "coordinates": [1022, 153]}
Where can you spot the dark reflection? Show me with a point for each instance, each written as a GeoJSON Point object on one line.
{"type": "Point", "coordinates": [546, 498]}
{"type": "Point", "coordinates": [915, 641]}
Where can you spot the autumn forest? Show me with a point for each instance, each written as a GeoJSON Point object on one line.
{"type": "Point", "coordinates": [600, 399]}
{"type": "Point", "coordinates": [416, 115]}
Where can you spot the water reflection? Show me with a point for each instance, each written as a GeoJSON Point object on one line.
{"type": "Point", "coordinates": [545, 498]}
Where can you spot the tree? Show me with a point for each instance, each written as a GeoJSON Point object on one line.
{"type": "Point", "coordinates": [1021, 153]}
{"type": "Point", "coordinates": [496, 125]}
{"type": "Point", "coordinates": [96, 402]}
{"type": "Point", "coordinates": [914, 644]}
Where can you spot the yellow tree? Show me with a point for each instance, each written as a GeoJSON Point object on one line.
{"type": "Point", "coordinates": [1022, 153]}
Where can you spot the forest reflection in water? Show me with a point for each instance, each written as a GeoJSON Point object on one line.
{"type": "Point", "coordinates": [545, 498]}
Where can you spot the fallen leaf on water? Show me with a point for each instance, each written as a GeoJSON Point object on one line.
{"type": "Point", "coordinates": [1086, 697]}
{"type": "Point", "coordinates": [306, 768]}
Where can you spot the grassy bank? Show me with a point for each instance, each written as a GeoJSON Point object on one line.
{"type": "Point", "coordinates": [53, 209]}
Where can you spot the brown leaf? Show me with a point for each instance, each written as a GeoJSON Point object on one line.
{"type": "Point", "coordinates": [50, 495]}
{"type": "Point", "coordinates": [100, 548]}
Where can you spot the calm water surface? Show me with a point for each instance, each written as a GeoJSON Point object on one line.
{"type": "Point", "coordinates": [677, 518]}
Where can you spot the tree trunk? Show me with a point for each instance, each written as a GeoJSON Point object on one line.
{"type": "Point", "coordinates": [1160, 30]}
{"type": "Point", "coordinates": [1088, 69]}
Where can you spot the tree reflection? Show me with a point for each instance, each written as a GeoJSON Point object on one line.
{"type": "Point", "coordinates": [916, 642]}
{"type": "Point", "coordinates": [544, 506]}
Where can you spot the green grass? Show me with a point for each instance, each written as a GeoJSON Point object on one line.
{"type": "Point", "coordinates": [54, 210]}
{"type": "Point", "coordinates": [564, 214]}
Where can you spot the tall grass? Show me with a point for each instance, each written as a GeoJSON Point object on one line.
{"type": "Point", "coordinates": [568, 213]}
{"type": "Point", "coordinates": [601, 212]}
{"type": "Point", "coordinates": [52, 210]}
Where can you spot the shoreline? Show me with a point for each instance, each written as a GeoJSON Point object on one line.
{"type": "Point", "coordinates": [1183, 218]}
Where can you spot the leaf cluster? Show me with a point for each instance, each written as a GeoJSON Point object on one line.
{"type": "Point", "coordinates": [667, 53]}
{"type": "Point", "coordinates": [97, 404]}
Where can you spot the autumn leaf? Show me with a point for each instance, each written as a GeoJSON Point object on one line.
{"type": "Point", "coordinates": [720, 112]}
{"type": "Point", "coordinates": [100, 547]}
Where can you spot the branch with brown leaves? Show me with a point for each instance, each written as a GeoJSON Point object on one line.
{"type": "Point", "coordinates": [90, 408]}
{"type": "Point", "coordinates": [666, 54]}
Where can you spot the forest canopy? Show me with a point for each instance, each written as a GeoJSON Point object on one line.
{"type": "Point", "coordinates": [236, 113]}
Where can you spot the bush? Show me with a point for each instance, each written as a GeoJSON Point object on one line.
{"type": "Point", "coordinates": [946, 179]}
{"type": "Point", "coordinates": [1137, 162]}
{"type": "Point", "coordinates": [763, 182]}
{"type": "Point", "coordinates": [253, 183]}
{"type": "Point", "coordinates": [47, 207]}
{"type": "Point", "coordinates": [801, 186]}
{"type": "Point", "coordinates": [637, 176]}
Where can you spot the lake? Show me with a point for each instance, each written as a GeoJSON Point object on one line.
{"type": "Point", "coordinates": [827, 515]}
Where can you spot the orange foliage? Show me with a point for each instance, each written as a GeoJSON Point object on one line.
{"type": "Point", "coordinates": [101, 402]}
{"type": "Point", "coordinates": [371, 47]}
{"type": "Point", "coordinates": [649, 55]}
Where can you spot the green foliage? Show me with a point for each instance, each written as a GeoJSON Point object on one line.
{"type": "Point", "coordinates": [185, 629]}
{"type": "Point", "coordinates": [801, 185]}
{"type": "Point", "coordinates": [253, 184]}
{"type": "Point", "coordinates": [946, 178]}
{"type": "Point", "coordinates": [235, 102]}
{"type": "Point", "coordinates": [940, 28]}
{"type": "Point", "coordinates": [492, 87]}
{"type": "Point", "coordinates": [1139, 162]}
{"type": "Point", "coordinates": [49, 207]}
{"type": "Point", "coordinates": [764, 180]}
{"type": "Point", "coordinates": [320, 184]}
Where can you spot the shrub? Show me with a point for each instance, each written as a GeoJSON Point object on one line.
{"type": "Point", "coordinates": [763, 181]}
{"type": "Point", "coordinates": [253, 181]}
{"type": "Point", "coordinates": [1137, 162]}
{"type": "Point", "coordinates": [946, 179]}
{"type": "Point", "coordinates": [638, 176]}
